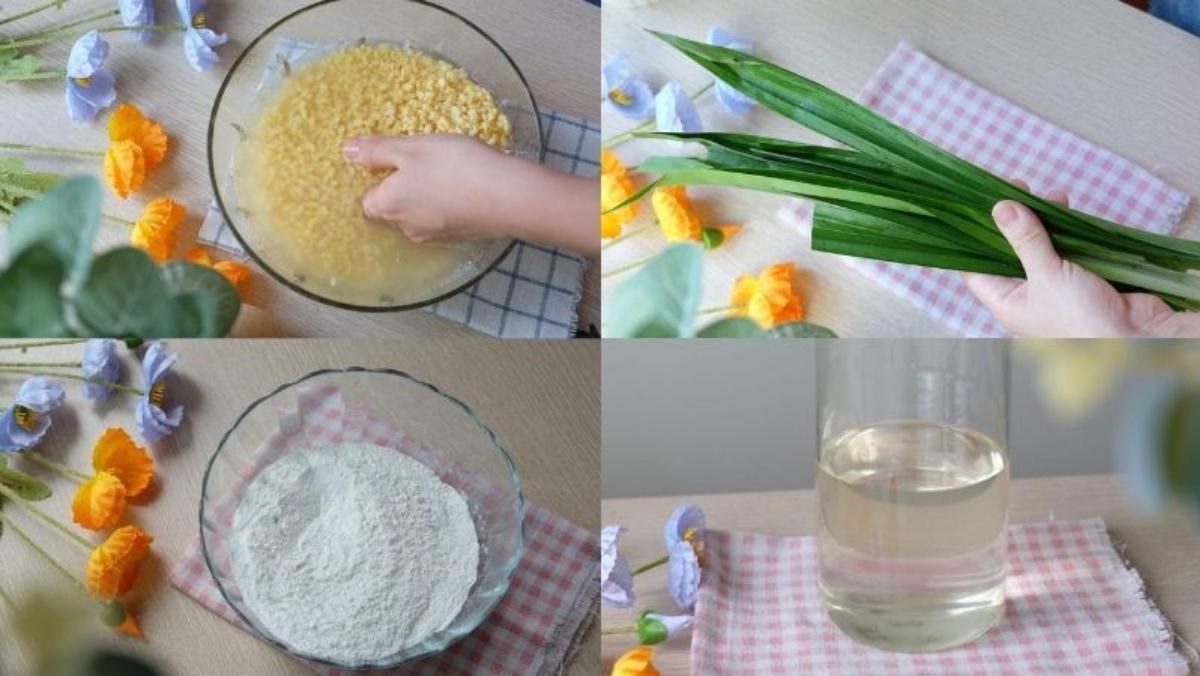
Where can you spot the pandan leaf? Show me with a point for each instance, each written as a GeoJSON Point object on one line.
{"type": "Point", "coordinates": [660, 299]}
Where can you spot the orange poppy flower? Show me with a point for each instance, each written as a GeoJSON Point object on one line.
{"type": "Point", "coordinates": [99, 503]}
{"type": "Point", "coordinates": [113, 566]}
{"type": "Point", "coordinates": [616, 186]}
{"type": "Point", "coordinates": [237, 274]}
{"type": "Point", "coordinates": [125, 168]}
{"type": "Point", "coordinates": [154, 232]}
{"type": "Point", "coordinates": [116, 453]}
{"type": "Point", "coordinates": [129, 124]}
{"type": "Point", "coordinates": [636, 662]}
{"type": "Point", "coordinates": [676, 216]}
{"type": "Point", "coordinates": [771, 298]}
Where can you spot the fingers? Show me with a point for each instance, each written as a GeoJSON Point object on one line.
{"type": "Point", "coordinates": [1029, 239]}
{"type": "Point", "coordinates": [375, 152]}
{"type": "Point", "coordinates": [996, 293]}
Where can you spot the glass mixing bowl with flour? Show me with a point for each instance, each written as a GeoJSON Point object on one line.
{"type": "Point", "coordinates": [340, 69]}
{"type": "Point", "coordinates": [361, 518]}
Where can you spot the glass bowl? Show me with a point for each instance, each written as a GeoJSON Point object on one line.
{"type": "Point", "coordinates": [255, 77]}
{"type": "Point", "coordinates": [468, 457]}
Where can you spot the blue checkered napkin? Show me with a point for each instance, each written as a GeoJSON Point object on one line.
{"type": "Point", "coordinates": [532, 293]}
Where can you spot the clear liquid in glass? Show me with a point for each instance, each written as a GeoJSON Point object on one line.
{"type": "Point", "coordinates": [912, 543]}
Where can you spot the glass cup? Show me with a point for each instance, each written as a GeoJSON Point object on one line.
{"type": "Point", "coordinates": [912, 485]}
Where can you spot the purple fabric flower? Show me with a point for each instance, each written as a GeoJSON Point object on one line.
{"type": "Point", "coordinates": [26, 423]}
{"type": "Point", "coordinates": [154, 419]}
{"type": "Point", "coordinates": [90, 87]}
{"type": "Point", "coordinates": [654, 628]}
{"type": "Point", "coordinates": [683, 575]}
{"type": "Point", "coordinates": [198, 38]}
{"type": "Point", "coordinates": [686, 523]}
{"type": "Point", "coordinates": [629, 94]}
{"type": "Point", "coordinates": [674, 110]}
{"type": "Point", "coordinates": [616, 580]}
{"type": "Point", "coordinates": [101, 367]}
{"type": "Point", "coordinates": [731, 99]}
{"type": "Point", "coordinates": [137, 13]}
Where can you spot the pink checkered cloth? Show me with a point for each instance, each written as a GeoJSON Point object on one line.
{"type": "Point", "coordinates": [1074, 607]}
{"type": "Point", "coordinates": [553, 596]}
{"type": "Point", "coordinates": [945, 108]}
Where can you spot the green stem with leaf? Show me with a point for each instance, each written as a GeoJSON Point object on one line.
{"type": "Point", "coordinates": [73, 376]}
{"type": "Point", "coordinates": [68, 472]}
{"type": "Point", "coordinates": [632, 233]}
{"type": "Point", "coordinates": [621, 269]}
{"type": "Point", "coordinates": [53, 4]}
{"type": "Point", "coordinates": [49, 520]}
{"type": "Point", "coordinates": [618, 139]}
{"type": "Point", "coordinates": [20, 532]}
{"type": "Point", "coordinates": [52, 33]}
{"type": "Point", "coordinates": [51, 150]}
{"type": "Point", "coordinates": [42, 343]}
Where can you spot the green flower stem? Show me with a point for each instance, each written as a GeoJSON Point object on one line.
{"type": "Point", "coordinates": [153, 28]}
{"type": "Point", "coordinates": [53, 33]}
{"type": "Point", "coordinates": [41, 364]}
{"type": "Point", "coordinates": [7, 600]}
{"type": "Point", "coordinates": [51, 521]}
{"type": "Point", "coordinates": [72, 474]}
{"type": "Point", "coordinates": [38, 548]}
{"type": "Point", "coordinates": [35, 10]}
{"type": "Point", "coordinates": [42, 343]}
{"type": "Point", "coordinates": [51, 150]}
{"type": "Point", "coordinates": [72, 376]}
{"type": "Point", "coordinates": [614, 141]}
{"type": "Point", "coordinates": [632, 233]}
{"type": "Point", "coordinates": [44, 75]}
{"type": "Point", "coordinates": [650, 566]}
{"type": "Point", "coordinates": [118, 220]}
{"type": "Point", "coordinates": [715, 310]}
{"type": "Point", "coordinates": [625, 268]}
{"type": "Point", "coordinates": [625, 629]}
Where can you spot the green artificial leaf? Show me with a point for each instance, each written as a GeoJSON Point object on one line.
{"type": "Point", "coordinates": [659, 300]}
{"type": "Point", "coordinates": [800, 330]}
{"type": "Point", "coordinates": [15, 67]}
{"type": "Point", "coordinates": [66, 218]}
{"type": "Point", "coordinates": [127, 296]}
{"type": "Point", "coordinates": [650, 630]}
{"type": "Point", "coordinates": [732, 327]}
{"type": "Point", "coordinates": [30, 296]}
{"type": "Point", "coordinates": [25, 486]}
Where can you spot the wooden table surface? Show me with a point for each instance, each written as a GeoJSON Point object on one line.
{"type": "Point", "coordinates": [1166, 552]}
{"type": "Point", "coordinates": [1099, 68]}
{"type": "Point", "coordinates": [542, 398]}
{"type": "Point", "coordinates": [554, 43]}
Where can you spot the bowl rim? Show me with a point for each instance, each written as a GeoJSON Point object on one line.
{"type": "Point", "coordinates": [280, 277]}
{"type": "Point", "coordinates": [510, 567]}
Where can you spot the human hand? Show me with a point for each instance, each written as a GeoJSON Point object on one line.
{"type": "Point", "coordinates": [1059, 299]}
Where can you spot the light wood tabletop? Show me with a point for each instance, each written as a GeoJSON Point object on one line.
{"type": "Point", "coordinates": [554, 43]}
{"type": "Point", "coordinates": [1165, 551]}
{"type": "Point", "coordinates": [1101, 69]}
{"type": "Point", "coordinates": [542, 398]}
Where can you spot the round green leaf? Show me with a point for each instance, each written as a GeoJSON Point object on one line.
{"type": "Point", "coordinates": [66, 219]}
{"type": "Point", "coordinates": [733, 327]}
{"type": "Point", "coordinates": [30, 295]}
{"type": "Point", "coordinates": [800, 330]}
{"type": "Point", "coordinates": [204, 296]}
{"type": "Point", "coordinates": [659, 300]}
{"type": "Point", "coordinates": [123, 296]}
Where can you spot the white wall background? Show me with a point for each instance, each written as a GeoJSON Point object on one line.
{"type": "Point", "coordinates": [683, 417]}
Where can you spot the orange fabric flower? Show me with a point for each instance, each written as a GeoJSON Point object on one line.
{"type": "Point", "coordinates": [125, 168]}
{"type": "Point", "coordinates": [616, 186]}
{"type": "Point", "coordinates": [237, 274]}
{"type": "Point", "coordinates": [129, 124]}
{"type": "Point", "coordinates": [116, 454]}
{"type": "Point", "coordinates": [113, 566]}
{"type": "Point", "coordinates": [771, 298]}
{"type": "Point", "coordinates": [636, 662]}
{"type": "Point", "coordinates": [676, 216]}
{"type": "Point", "coordinates": [155, 231]}
{"type": "Point", "coordinates": [99, 503]}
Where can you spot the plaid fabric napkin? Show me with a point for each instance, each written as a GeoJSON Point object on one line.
{"type": "Point", "coordinates": [945, 108]}
{"type": "Point", "coordinates": [553, 596]}
{"type": "Point", "coordinates": [534, 291]}
{"type": "Point", "coordinates": [1074, 607]}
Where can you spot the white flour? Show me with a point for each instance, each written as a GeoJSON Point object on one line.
{"type": "Point", "coordinates": [353, 552]}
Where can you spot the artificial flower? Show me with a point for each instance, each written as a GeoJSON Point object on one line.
{"type": "Point", "coordinates": [155, 231]}
{"type": "Point", "coordinates": [620, 86]}
{"type": "Point", "coordinates": [237, 274]}
{"type": "Point", "coordinates": [137, 13]}
{"type": "Point", "coordinates": [686, 524]}
{"type": "Point", "coordinates": [128, 123]}
{"type": "Point", "coordinates": [636, 662]}
{"type": "Point", "coordinates": [654, 628]}
{"type": "Point", "coordinates": [101, 367]}
{"type": "Point", "coordinates": [124, 168]}
{"type": "Point", "coordinates": [616, 187]}
{"type": "Point", "coordinates": [616, 580]}
{"type": "Point", "coordinates": [730, 99]}
{"type": "Point", "coordinates": [713, 238]}
{"type": "Point", "coordinates": [118, 616]}
{"type": "Point", "coordinates": [117, 454]}
{"type": "Point", "coordinates": [198, 38]}
{"type": "Point", "coordinates": [683, 575]}
{"type": "Point", "coordinates": [113, 566]}
{"type": "Point", "coordinates": [90, 87]}
{"type": "Point", "coordinates": [674, 110]}
{"type": "Point", "coordinates": [676, 215]}
{"type": "Point", "coordinates": [771, 298]}
{"type": "Point", "coordinates": [25, 424]}
{"type": "Point", "coordinates": [99, 502]}
{"type": "Point", "coordinates": [154, 419]}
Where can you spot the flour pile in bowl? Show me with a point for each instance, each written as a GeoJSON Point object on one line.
{"type": "Point", "coordinates": [352, 553]}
